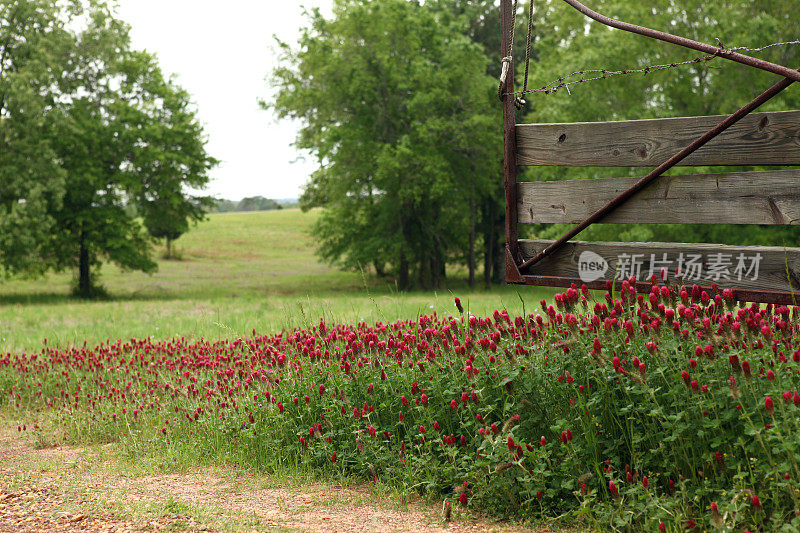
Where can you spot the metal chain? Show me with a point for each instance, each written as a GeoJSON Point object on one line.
{"type": "Point", "coordinates": [512, 30]}
{"type": "Point", "coordinates": [560, 83]}
{"type": "Point", "coordinates": [528, 45]}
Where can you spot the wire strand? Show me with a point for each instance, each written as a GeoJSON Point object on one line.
{"type": "Point", "coordinates": [561, 82]}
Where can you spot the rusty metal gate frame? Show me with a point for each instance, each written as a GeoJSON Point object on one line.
{"type": "Point", "coordinates": [514, 262]}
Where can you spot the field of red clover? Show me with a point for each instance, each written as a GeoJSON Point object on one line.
{"type": "Point", "coordinates": [665, 411]}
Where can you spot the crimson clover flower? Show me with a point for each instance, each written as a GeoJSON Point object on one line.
{"type": "Point", "coordinates": [768, 405]}
{"type": "Point", "coordinates": [755, 502]}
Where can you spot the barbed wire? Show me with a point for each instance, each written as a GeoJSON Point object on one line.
{"type": "Point", "coordinates": [561, 82]}
{"type": "Point", "coordinates": [739, 48]}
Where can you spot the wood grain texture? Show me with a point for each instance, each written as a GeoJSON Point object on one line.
{"type": "Point", "coordinates": [778, 268]}
{"type": "Point", "coordinates": [758, 139]}
{"type": "Point", "coordinates": [771, 197]}
{"type": "Point", "coordinates": [509, 132]}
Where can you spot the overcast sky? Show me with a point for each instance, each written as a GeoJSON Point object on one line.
{"type": "Point", "coordinates": [221, 53]}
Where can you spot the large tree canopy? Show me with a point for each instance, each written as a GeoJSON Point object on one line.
{"type": "Point", "coordinates": [33, 38]}
{"type": "Point", "coordinates": [109, 132]}
{"type": "Point", "coordinates": [397, 107]}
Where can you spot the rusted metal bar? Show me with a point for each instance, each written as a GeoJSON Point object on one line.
{"type": "Point", "coordinates": [509, 131]}
{"type": "Point", "coordinates": [687, 43]}
{"type": "Point", "coordinates": [671, 162]}
{"type": "Point", "coordinates": [741, 295]}
{"type": "Point", "coordinates": [643, 287]}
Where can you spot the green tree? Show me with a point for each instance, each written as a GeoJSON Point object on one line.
{"type": "Point", "coordinates": [115, 133]}
{"type": "Point", "coordinates": [224, 206]}
{"type": "Point", "coordinates": [33, 37]}
{"type": "Point", "coordinates": [169, 217]}
{"type": "Point", "coordinates": [257, 203]}
{"type": "Point", "coordinates": [170, 159]}
{"type": "Point", "coordinates": [480, 21]}
{"type": "Point", "coordinates": [397, 107]}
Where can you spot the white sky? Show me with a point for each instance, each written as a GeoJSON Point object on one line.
{"type": "Point", "coordinates": [222, 53]}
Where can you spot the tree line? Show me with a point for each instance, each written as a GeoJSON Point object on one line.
{"type": "Point", "coordinates": [398, 103]}
{"type": "Point", "coordinates": [250, 203]}
{"type": "Point", "coordinates": [97, 147]}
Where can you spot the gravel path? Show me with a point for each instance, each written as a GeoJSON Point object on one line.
{"type": "Point", "coordinates": [66, 489]}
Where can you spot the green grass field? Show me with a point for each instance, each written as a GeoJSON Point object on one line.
{"type": "Point", "coordinates": [238, 272]}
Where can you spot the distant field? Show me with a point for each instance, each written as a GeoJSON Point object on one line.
{"type": "Point", "coordinates": [239, 272]}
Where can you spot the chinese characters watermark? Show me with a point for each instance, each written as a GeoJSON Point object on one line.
{"type": "Point", "coordinates": [714, 267]}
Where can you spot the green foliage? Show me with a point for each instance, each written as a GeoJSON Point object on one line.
{"type": "Point", "coordinates": [107, 131]}
{"type": "Point", "coordinates": [251, 203]}
{"type": "Point", "coordinates": [397, 108]}
{"type": "Point", "coordinates": [33, 38]}
{"type": "Point", "coordinates": [257, 203]}
{"type": "Point", "coordinates": [169, 159]}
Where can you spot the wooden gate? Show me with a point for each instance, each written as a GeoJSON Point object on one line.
{"type": "Point", "coordinates": [753, 273]}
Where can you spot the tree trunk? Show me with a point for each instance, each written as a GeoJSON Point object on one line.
{"type": "Point", "coordinates": [442, 270]}
{"type": "Point", "coordinates": [488, 257]}
{"type": "Point", "coordinates": [471, 251]}
{"type": "Point", "coordinates": [169, 248]}
{"type": "Point", "coordinates": [488, 242]}
{"type": "Point", "coordinates": [379, 268]}
{"type": "Point", "coordinates": [492, 225]}
{"type": "Point", "coordinates": [84, 273]}
{"type": "Point", "coordinates": [403, 281]}
{"type": "Point", "coordinates": [499, 255]}
{"type": "Point", "coordinates": [425, 271]}
{"type": "Point", "coordinates": [498, 276]}
{"type": "Point", "coordinates": [436, 270]}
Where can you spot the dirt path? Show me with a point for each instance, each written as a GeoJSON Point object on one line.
{"type": "Point", "coordinates": [84, 489]}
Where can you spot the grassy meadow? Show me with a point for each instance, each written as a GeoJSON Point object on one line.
{"type": "Point", "coordinates": [237, 272]}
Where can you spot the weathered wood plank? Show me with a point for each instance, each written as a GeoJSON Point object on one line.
{"type": "Point", "coordinates": [758, 139]}
{"type": "Point", "coordinates": [771, 197]}
{"type": "Point", "coordinates": [507, 18]}
{"type": "Point", "coordinates": [741, 267]}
